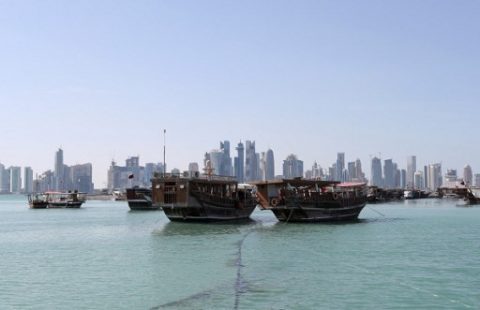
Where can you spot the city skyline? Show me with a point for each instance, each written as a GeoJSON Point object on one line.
{"type": "Point", "coordinates": [392, 78]}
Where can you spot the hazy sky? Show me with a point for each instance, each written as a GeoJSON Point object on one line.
{"type": "Point", "coordinates": [102, 79]}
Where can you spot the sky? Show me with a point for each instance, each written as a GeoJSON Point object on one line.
{"type": "Point", "coordinates": [102, 79]}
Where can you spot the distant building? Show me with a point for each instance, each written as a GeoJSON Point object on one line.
{"type": "Point", "coordinates": [193, 169]}
{"type": "Point", "coordinates": [269, 165]}
{"type": "Point", "coordinates": [403, 179]}
{"type": "Point", "coordinates": [377, 179]}
{"type": "Point", "coordinates": [434, 180]}
{"type": "Point", "coordinates": [418, 182]}
{"type": "Point", "coordinates": [450, 179]}
{"type": "Point", "coordinates": [239, 163]}
{"type": "Point", "coordinates": [468, 175]}
{"type": "Point", "coordinates": [15, 180]}
{"type": "Point", "coordinates": [4, 179]}
{"type": "Point", "coordinates": [389, 174]}
{"type": "Point", "coordinates": [340, 167]}
{"type": "Point", "coordinates": [411, 168]}
{"type": "Point", "coordinates": [59, 172]}
{"type": "Point", "coordinates": [251, 162]}
{"type": "Point", "coordinates": [27, 180]}
{"type": "Point", "coordinates": [132, 174]}
{"type": "Point", "coordinates": [81, 177]}
{"type": "Point", "coordinates": [477, 180]}
{"type": "Point", "coordinates": [292, 167]}
{"type": "Point", "coordinates": [316, 172]}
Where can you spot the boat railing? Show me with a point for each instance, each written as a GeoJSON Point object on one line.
{"type": "Point", "coordinates": [187, 175]}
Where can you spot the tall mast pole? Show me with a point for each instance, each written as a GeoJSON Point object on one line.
{"type": "Point", "coordinates": [164, 166]}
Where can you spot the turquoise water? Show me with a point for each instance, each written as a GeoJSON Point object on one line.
{"type": "Point", "coordinates": [422, 254]}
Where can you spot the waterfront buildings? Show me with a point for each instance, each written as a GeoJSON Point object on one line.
{"type": "Point", "coordinates": [251, 162]}
{"type": "Point", "coordinates": [450, 178]}
{"type": "Point", "coordinates": [132, 174]}
{"type": "Point", "coordinates": [15, 180]}
{"type": "Point", "coordinates": [340, 167]}
{"type": "Point", "coordinates": [239, 163]}
{"type": "Point", "coordinates": [477, 180]}
{"type": "Point", "coordinates": [418, 182]}
{"type": "Point", "coordinates": [292, 167]}
{"type": "Point", "coordinates": [27, 180]}
{"type": "Point", "coordinates": [468, 175]}
{"type": "Point", "coordinates": [269, 165]}
{"type": "Point", "coordinates": [411, 169]}
{"type": "Point", "coordinates": [376, 175]}
{"type": "Point", "coordinates": [434, 176]}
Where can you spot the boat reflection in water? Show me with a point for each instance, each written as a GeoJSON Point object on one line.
{"type": "Point", "coordinates": [300, 200]}
{"type": "Point", "coordinates": [202, 198]}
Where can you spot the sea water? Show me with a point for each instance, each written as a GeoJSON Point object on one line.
{"type": "Point", "coordinates": [422, 254]}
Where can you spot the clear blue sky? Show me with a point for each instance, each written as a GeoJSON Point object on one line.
{"type": "Point", "coordinates": [102, 79]}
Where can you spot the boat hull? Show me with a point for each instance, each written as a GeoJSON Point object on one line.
{"type": "Point", "coordinates": [317, 214]}
{"type": "Point", "coordinates": [206, 213]}
{"type": "Point", "coordinates": [141, 205]}
{"type": "Point", "coordinates": [42, 205]}
{"type": "Point", "coordinates": [69, 204]}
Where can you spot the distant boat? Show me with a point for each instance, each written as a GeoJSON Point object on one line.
{"type": "Point", "coordinates": [140, 199]}
{"type": "Point", "coordinates": [202, 198]}
{"type": "Point", "coordinates": [38, 201]}
{"type": "Point", "coordinates": [301, 200]}
{"type": "Point", "coordinates": [65, 199]}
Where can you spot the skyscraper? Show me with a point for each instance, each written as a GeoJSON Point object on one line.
{"type": "Point", "coordinates": [377, 179]}
{"type": "Point", "coordinates": [411, 168]}
{"type": "Point", "coordinates": [27, 180]}
{"type": "Point", "coordinates": [340, 167]}
{"type": "Point", "coordinates": [468, 175]}
{"type": "Point", "coordinates": [81, 178]}
{"type": "Point", "coordinates": [269, 165]}
{"type": "Point", "coordinates": [59, 172]}
{"type": "Point", "coordinates": [389, 174]}
{"type": "Point", "coordinates": [251, 162]}
{"type": "Point", "coordinates": [434, 180]}
{"type": "Point", "coordinates": [418, 182]}
{"type": "Point", "coordinates": [226, 167]}
{"type": "Point", "coordinates": [239, 162]}
{"type": "Point", "coordinates": [15, 180]}
{"type": "Point", "coordinates": [292, 167]}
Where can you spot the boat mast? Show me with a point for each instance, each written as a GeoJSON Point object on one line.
{"type": "Point", "coordinates": [164, 139]}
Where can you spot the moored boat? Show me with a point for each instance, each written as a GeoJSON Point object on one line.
{"type": "Point", "coordinates": [300, 200]}
{"type": "Point", "coordinates": [140, 199]}
{"type": "Point", "coordinates": [65, 199]}
{"type": "Point", "coordinates": [38, 201]}
{"type": "Point", "coordinates": [472, 198]}
{"type": "Point", "coordinates": [202, 198]}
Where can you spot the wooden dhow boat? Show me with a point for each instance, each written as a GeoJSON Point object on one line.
{"type": "Point", "coordinates": [301, 200]}
{"type": "Point", "coordinates": [202, 198]}
{"type": "Point", "coordinates": [140, 199]}
{"type": "Point", "coordinates": [38, 200]}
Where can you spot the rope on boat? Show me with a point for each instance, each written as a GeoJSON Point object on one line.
{"type": "Point", "coordinates": [239, 278]}
{"type": "Point", "coordinates": [376, 211]}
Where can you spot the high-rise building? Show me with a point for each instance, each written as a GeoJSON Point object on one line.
{"type": "Point", "coordinates": [477, 179]}
{"type": "Point", "coordinates": [340, 167]}
{"type": "Point", "coordinates": [389, 174]}
{"type": "Point", "coordinates": [15, 180]}
{"type": "Point", "coordinates": [269, 165]}
{"type": "Point", "coordinates": [418, 182]}
{"type": "Point", "coordinates": [434, 180]}
{"type": "Point", "coordinates": [27, 180]}
{"type": "Point", "coordinates": [59, 172]}
{"type": "Point", "coordinates": [4, 179]}
{"type": "Point", "coordinates": [411, 168]}
{"type": "Point", "coordinates": [352, 171]}
{"type": "Point", "coordinates": [377, 179]}
{"type": "Point", "coordinates": [403, 178]}
{"type": "Point", "coordinates": [226, 167]}
{"type": "Point", "coordinates": [292, 167]}
{"type": "Point", "coordinates": [468, 175]}
{"type": "Point", "coordinates": [81, 176]}
{"type": "Point", "coordinates": [239, 163]}
{"type": "Point", "coordinates": [216, 161]}
{"type": "Point", "coordinates": [450, 178]}
{"type": "Point", "coordinates": [251, 162]}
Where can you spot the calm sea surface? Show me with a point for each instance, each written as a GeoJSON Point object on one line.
{"type": "Point", "coordinates": [422, 254]}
